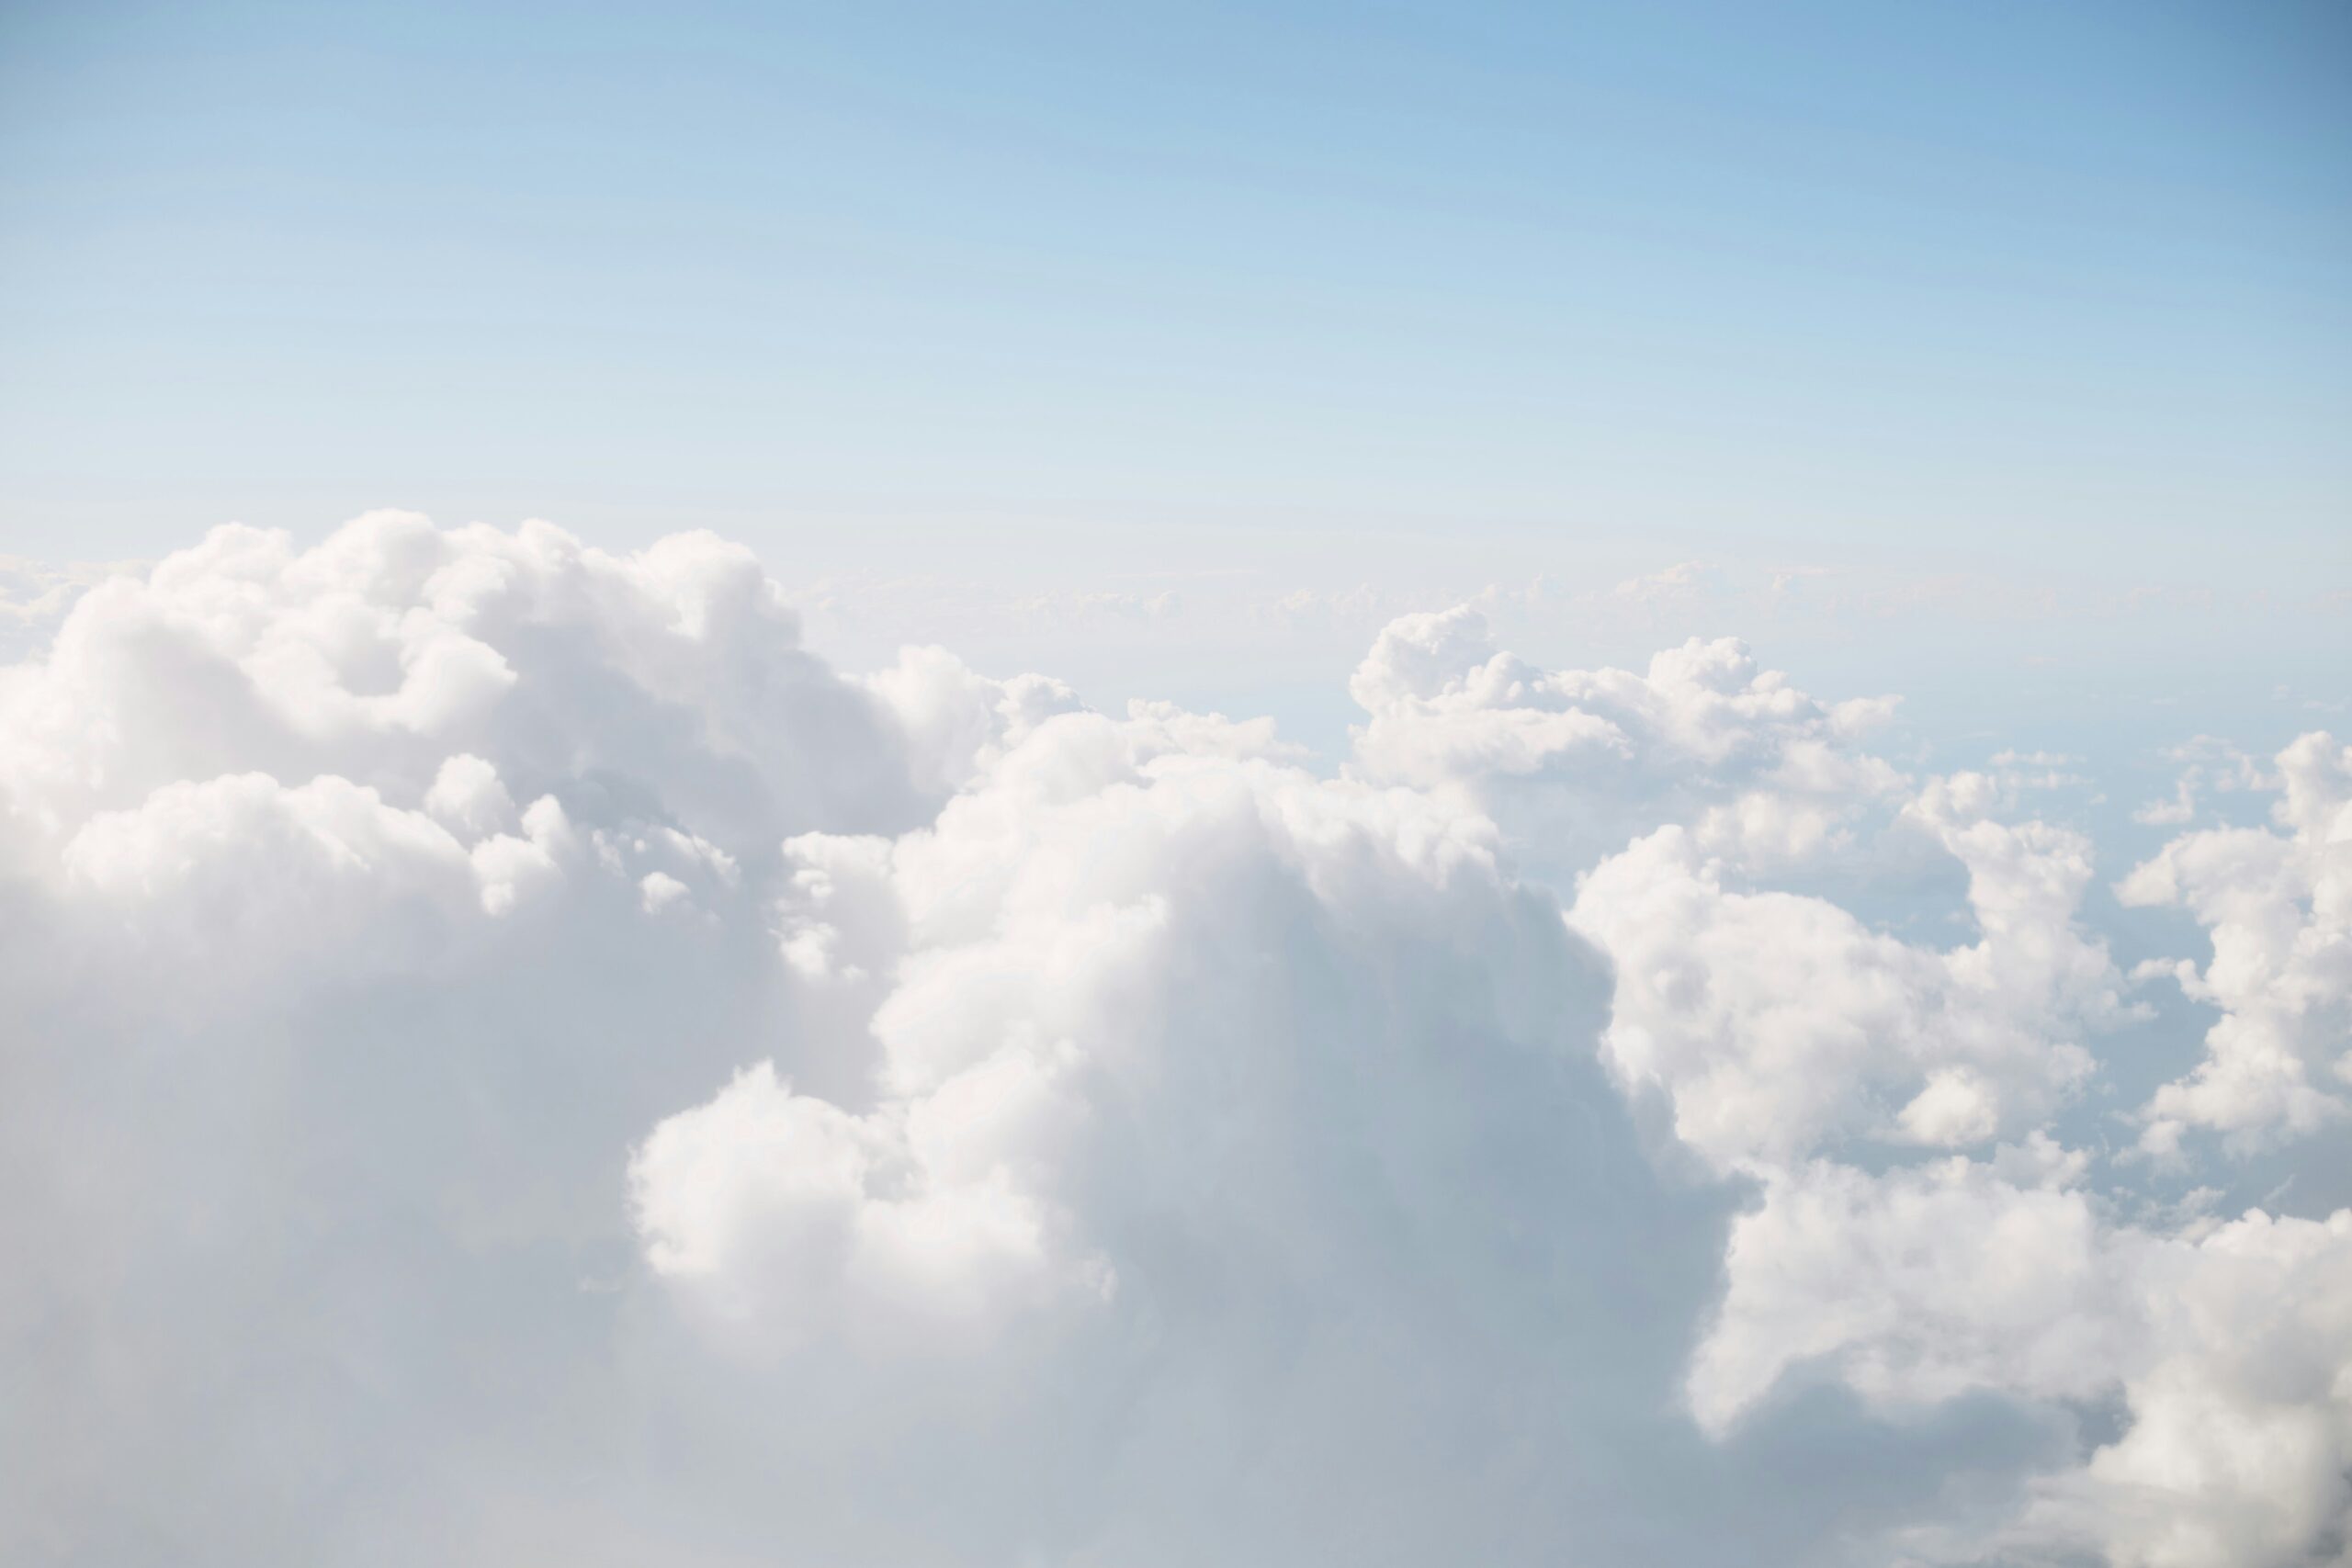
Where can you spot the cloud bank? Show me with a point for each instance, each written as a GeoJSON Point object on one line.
{"type": "Point", "coordinates": [512, 1057]}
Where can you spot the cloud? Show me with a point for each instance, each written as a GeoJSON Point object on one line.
{"type": "Point", "coordinates": [1913, 1287]}
{"type": "Point", "coordinates": [1574, 763]}
{"type": "Point", "coordinates": [2229, 1349]}
{"type": "Point", "coordinates": [393, 646]}
{"type": "Point", "coordinates": [513, 1057]}
{"type": "Point", "coordinates": [1088, 931]}
{"type": "Point", "coordinates": [1775, 1022]}
{"type": "Point", "coordinates": [346, 967]}
{"type": "Point", "coordinates": [1684, 579]}
{"type": "Point", "coordinates": [1772, 1020]}
{"type": "Point", "coordinates": [2181, 809]}
{"type": "Point", "coordinates": [35, 595]}
{"type": "Point", "coordinates": [2277, 904]}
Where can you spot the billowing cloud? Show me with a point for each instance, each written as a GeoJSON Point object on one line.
{"type": "Point", "coordinates": [1773, 1020]}
{"type": "Point", "coordinates": [2276, 905]}
{"type": "Point", "coordinates": [1133, 957]}
{"type": "Point", "coordinates": [1778, 1021]}
{"type": "Point", "coordinates": [512, 1057]}
{"type": "Point", "coordinates": [1575, 762]}
{"type": "Point", "coordinates": [2228, 1346]}
{"type": "Point", "coordinates": [394, 646]}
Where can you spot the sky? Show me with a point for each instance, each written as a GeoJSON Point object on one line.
{"type": "Point", "coordinates": [1108, 786]}
{"type": "Point", "coordinates": [2032, 299]}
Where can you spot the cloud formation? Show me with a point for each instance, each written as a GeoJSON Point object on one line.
{"type": "Point", "coordinates": [511, 1056]}
{"type": "Point", "coordinates": [2277, 906]}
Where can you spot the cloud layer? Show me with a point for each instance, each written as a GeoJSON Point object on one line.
{"type": "Point", "coordinates": [513, 1057]}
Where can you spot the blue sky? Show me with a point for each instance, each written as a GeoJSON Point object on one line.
{"type": "Point", "coordinates": [2001, 305]}
{"type": "Point", "coordinates": [1989, 283]}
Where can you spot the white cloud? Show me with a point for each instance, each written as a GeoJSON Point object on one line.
{"type": "Point", "coordinates": [511, 1057]}
{"type": "Point", "coordinates": [1916, 1286]}
{"type": "Point", "coordinates": [1574, 764]}
{"type": "Point", "coordinates": [242, 875]}
{"type": "Point", "coordinates": [2240, 1446]}
{"type": "Point", "coordinates": [785, 1217]}
{"type": "Point", "coordinates": [393, 647]}
{"type": "Point", "coordinates": [658, 890]}
{"type": "Point", "coordinates": [468, 797]}
{"type": "Point", "coordinates": [2229, 1346]}
{"type": "Point", "coordinates": [2180, 808]}
{"type": "Point", "coordinates": [1684, 579]}
{"type": "Point", "coordinates": [1775, 1022]}
{"type": "Point", "coordinates": [2277, 906]}
{"type": "Point", "coordinates": [1058, 940]}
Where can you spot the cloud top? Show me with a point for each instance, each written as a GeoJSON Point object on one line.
{"type": "Point", "coordinates": [513, 1055]}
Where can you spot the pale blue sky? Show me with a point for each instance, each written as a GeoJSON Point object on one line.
{"type": "Point", "coordinates": [2031, 301]}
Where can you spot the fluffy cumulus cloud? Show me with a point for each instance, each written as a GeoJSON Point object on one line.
{"type": "Point", "coordinates": [2228, 1346]}
{"type": "Point", "coordinates": [1776, 1021]}
{"type": "Point", "coordinates": [1772, 1020]}
{"type": "Point", "coordinates": [1574, 762]}
{"type": "Point", "coordinates": [511, 1057]}
{"type": "Point", "coordinates": [2277, 907]}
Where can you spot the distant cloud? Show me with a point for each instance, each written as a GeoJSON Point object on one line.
{"type": "Point", "coordinates": [1684, 579]}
